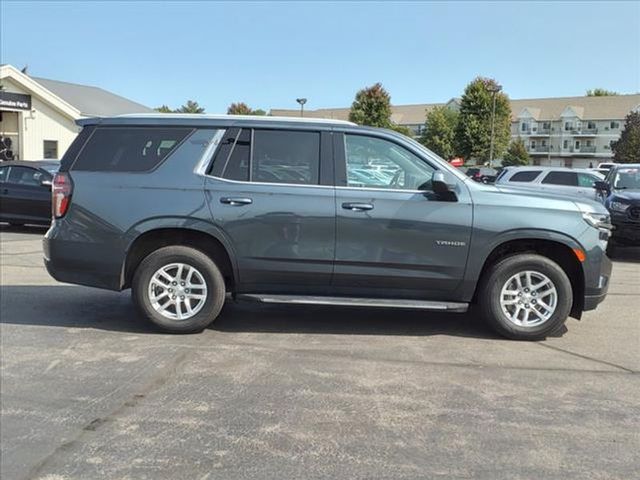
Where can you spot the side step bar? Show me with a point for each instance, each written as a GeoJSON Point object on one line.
{"type": "Point", "coordinates": [356, 302]}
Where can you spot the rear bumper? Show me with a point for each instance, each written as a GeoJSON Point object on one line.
{"type": "Point", "coordinates": [79, 262]}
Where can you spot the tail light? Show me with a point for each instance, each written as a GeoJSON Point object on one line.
{"type": "Point", "coordinates": [61, 194]}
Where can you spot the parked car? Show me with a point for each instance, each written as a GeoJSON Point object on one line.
{"type": "Point", "coordinates": [25, 191]}
{"type": "Point", "coordinates": [621, 195]}
{"type": "Point", "coordinates": [607, 165]}
{"type": "Point", "coordinates": [184, 209]}
{"type": "Point", "coordinates": [482, 174]}
{"type": "Point", "coordinates": [557, 180]}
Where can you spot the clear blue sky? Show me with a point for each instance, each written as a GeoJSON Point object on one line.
{"type": "Point", "coordinates": [267, 54]}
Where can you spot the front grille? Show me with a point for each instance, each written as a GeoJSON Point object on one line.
{"type": "Point", "coordinates": [634, 212]}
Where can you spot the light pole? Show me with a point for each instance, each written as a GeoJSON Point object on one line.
{"type": "Point", "coordinates": [301, 101]}
{"type": "Point", "coordinates": [494, 89]}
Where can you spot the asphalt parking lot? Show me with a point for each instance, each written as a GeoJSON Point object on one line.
{"type": "Point", "coordinates": [91, 391]}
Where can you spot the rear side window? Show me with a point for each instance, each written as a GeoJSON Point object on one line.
{"type": "Point", "coordinates": [132, 149]}
{"type": "Point", "coordinates": [526, 176]}
{"type": "Point", "coordinates": [561, 178]}
{"type": "Point", "coordinates": [269, 156]}
{"type": "Point", "coordinates": [281, 156]}
{"type": "Point", "coordinates": [586, 180]}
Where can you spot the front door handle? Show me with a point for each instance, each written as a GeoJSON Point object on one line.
{"type": "Point", "coordinates": [357, 207]}
{"type": "Point", "coordinates": [236, 201]}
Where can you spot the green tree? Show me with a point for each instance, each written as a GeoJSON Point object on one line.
{"type": "Point", "coordinates": [239, 108]}
{"type": "Point", "coordinates": [404, 130]}
{"type": "Point", "coordinates": [516, 154]}
{"type": "Point", "coordinates": [439, 133]}
{"type": "Point", "coordinates": [163, 109]}
{"type": "Point", "coordinates": [627, 148]}
{"type": "Point", "coordinates": [473, 132]}
{"type": "Point", "coordinates": [190, 107]}
{"type": "Point", "coordinates": [601, 92]}
{"type": "Point", "coordinates": [372, 106]}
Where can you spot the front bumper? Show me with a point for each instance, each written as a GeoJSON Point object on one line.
{"type": "Point", "coordinates": [625, 229]}
{"type": "Point", "coordinates": [597, 283]}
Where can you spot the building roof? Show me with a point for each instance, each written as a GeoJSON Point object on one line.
{"type": "Point", "coordinates": [591, 108]}
{"type": "Point", "coordinates": [91, 100]}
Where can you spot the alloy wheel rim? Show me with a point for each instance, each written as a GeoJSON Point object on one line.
{"type": "Point", "coordinates": [528, 299]}
{"type": "Point", "coordinates": [177, 291]}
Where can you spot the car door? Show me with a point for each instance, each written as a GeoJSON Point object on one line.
{"type": "Point", "coordinates": [271, 193]}
{"type": "Point", "coordinates": [586, 185]}
{"type": "Point", "coordinates": [26, 196]}
{"type": "Point", "coordinates": [560, 182]}
{"type": "Point", "coordinates": [4, 192]}
{"type": "Point", "coordinates": [394, 236]}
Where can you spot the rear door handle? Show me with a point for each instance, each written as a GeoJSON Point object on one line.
{"type": "Point", "coordinates": [357, 207]}
{"type": "Point", "coordinates": [236, 201]}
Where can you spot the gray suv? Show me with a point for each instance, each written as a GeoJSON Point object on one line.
{"type": "Point", "coordinates": [185, 209]}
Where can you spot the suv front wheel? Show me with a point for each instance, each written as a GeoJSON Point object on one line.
{"type": "Point", "coordinates": [525, 297]}
{"type": "Point", "coordinates": [178, 288]}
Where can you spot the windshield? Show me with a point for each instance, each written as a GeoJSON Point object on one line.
{"type": "Point", "coordinates": [627, 179]}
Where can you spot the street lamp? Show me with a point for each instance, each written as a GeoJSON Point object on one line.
{"type": "Point", "coordinates": [494, 89]}
{"type": "Point", "coordinates": [301, 101]}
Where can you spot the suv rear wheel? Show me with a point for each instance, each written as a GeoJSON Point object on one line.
{"type": "Point", "coordinates": [525, 297]}
{"type": "Point", "coordinates": [178, 288]}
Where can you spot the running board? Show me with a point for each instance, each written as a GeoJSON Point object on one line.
{"type": "Point", "coordinates": [357, 302]}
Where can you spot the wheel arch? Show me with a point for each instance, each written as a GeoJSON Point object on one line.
{"type": "Point", "coordinates": [559, 248]}
{"type": "Point", "coordinates": [209, 239]}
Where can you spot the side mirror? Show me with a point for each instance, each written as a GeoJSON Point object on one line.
{"type": "Point", "coordinates": [46, 183]}
{"type": "Point", "coordinates": [602, 186]}
{"type": "Point", "coordinates": [439, 184]}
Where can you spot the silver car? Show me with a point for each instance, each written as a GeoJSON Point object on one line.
{"type": "Point", "coordinates": [559, 180]}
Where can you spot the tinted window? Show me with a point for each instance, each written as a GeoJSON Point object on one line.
{"type": "Point", "coordinates": [377, 163]}
{"type": "Point", "coordinates": [237, 167]}
{"type": "Point", "coordinates": [72, 152]}
{"type": "Point", "coordinates": [526, 176]}
{"type": "Point", "coordinates": [561, 178]}
{"type": "Point", "coordinates": [4, 171]}
{"type": "Point", "coordinates": [285, 157]}
{"type": "Point", "coordinates": [129, 149]}
{"type": "Point", "coordinates": [26, 176]}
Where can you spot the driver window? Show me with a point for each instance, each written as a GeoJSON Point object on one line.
{"type": "Point", "coordinates": [377, 163]}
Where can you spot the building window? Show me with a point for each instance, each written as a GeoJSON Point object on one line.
{"type": "Point", "coordinates": [567, 126]}
{"type": "Point", "coordinates": [588, 143]}
{"type": "Point", "coordinates": [546, 125]}
{"type": "Point", "coordinates": [565, 144]}
{"type": "Point", "coordinates": [614, 125]}
{"type": "Point", "coordinates": [577, 144]}
{"type": "Point", "coordinates": [544, 143]}
{"type": "Point", "coordinates": [533, 144]}
{"type": "Point", "coordinates": [50, 148]}
{"type": "Point", "coordinates": [591, 125]}
{"type": "Point", "coordinates": [524, 127]}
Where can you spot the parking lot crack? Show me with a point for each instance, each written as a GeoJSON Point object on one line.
{"type": "Point", "coordinates": [162, 377]}
{"type": "Point", "coordinates": [586, 357]}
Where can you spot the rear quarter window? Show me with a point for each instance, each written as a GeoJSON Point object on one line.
{"type": "Point", "coordinates": [525, 176]}
{"type": "Point", "coordinates": [131, 149]}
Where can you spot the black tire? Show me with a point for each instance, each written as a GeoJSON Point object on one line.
{"type": "Point", "coordinates": [215, 295]}
{"type": "Point", "coordinates": [495, 279]}
{"type": "Point", "coordinates": [611, 248]}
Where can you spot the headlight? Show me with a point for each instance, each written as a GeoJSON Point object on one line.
{"type": "Point", "coordinates": [600, 221]}
{"type": "Point", "coordinates": [619, 206]}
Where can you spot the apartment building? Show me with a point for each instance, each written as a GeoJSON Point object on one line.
{"type": "Point", "coordinates": [566, 131]}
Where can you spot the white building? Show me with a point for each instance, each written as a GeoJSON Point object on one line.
{"type": "Point", "coordinates": [38, 115]}
{"type": "Point", "coordinates": [568, 131]}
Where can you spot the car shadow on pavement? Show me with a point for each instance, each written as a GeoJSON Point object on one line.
{"type": "Point", "coordinates": [81, 307]}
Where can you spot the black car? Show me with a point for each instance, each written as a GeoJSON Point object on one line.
{"type": "Point", "coordinates": [25, 191]}
{"type": "Point", "coordinates": [620, 192]}
{"type": "Point", "coordinates": [482, 174]}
